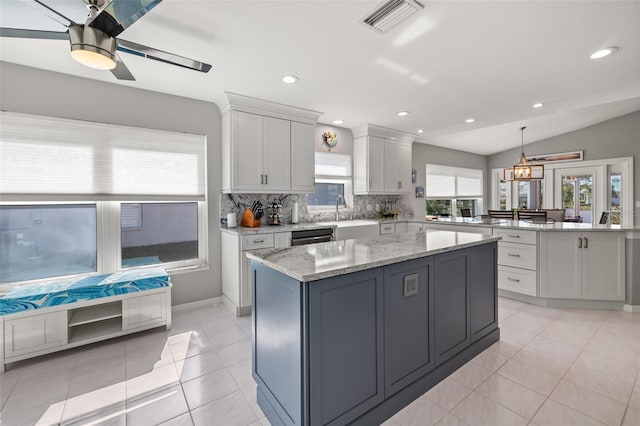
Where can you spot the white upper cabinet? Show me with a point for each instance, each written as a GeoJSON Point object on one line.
{"type": "Point", "coordinates": [369, 165]}
{"type": "Point", "coordinates": [397, 167]}
{"type": "Point", "coordinates": [248, 146]}
{"type": "Point", "coordinates": [302, 154]}
{"type": "Point", "coordinates": [266, 147]}
{"type": "Point", "coordinates": [277, 154]}
{"type": "Point", "coordinates": [382, 161]}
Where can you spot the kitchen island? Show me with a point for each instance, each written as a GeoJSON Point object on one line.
{"type": "Point", "coordinates": [353, 331]}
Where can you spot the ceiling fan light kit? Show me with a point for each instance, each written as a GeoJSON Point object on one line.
{"type": "Point", "coordinates": [92, 47]}
{"type": "Point", "coordinates": [94, 44]}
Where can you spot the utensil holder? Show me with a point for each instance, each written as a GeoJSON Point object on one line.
{"type": "Point", "coordinates": [249, 220]}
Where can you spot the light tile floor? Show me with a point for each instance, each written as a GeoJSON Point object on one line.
{"type": "Point", "coordinates": [552, 367]}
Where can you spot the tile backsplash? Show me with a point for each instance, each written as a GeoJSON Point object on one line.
{"type": "Point", "coordinates": [236, 203]}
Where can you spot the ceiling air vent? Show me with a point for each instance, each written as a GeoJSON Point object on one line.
{"type": "Point", "coordinates": [391, 13]}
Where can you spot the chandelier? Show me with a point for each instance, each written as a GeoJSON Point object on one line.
{"type": "Point", "coordinates": [523, 170]}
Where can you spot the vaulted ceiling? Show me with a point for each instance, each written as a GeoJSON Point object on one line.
{"type": "Point", "coordinates": [451, 61]}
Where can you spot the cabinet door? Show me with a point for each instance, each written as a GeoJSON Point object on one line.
{"type": "Point", "coordinates": [403, 168]}
{"type": "Point", "coordinates": [144, 311]}
{"type": "Point", "coordinates": [248, 136]}
{"type": "Point", "coordinates": [282, 240]}
{"type": "Point", "coordinates": [560, 263]}
{"type": "Point", "coordinates": [451, 320]}
{"type": "Point", "coordinates": [302, 157]}
{"type": "Point", "coordinates": [483, 290]}
{"type": "Point", "coordinates": [408, 323]}
{"type": "Point", "coordinates": [603, 265]}
{"type": "Point", "coordinates": [35, 333]}
{"type": "Point", "coordinates": [277, 154]}
{"type": "Point", "coordinates": [375, 166]}
{"type": "Point", "coordinates": [415, 227]}
{"type": "Point", "coordinates": [391, 183]}
{"type": "Point", "coordinates": [345, 346]}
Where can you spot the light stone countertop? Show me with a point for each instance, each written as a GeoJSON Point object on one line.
{"type": "Point", "coordinates": [324, 260]}
{"type": "Point", "coordinates": [525, 225]}
{"type": "Point", "coordinates": [269, 229]}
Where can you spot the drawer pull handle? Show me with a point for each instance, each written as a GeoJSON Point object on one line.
{"type": "Point", "coordinates": [579, 242]}
{"type": "Point", "coordinates": [258, 241]}
{"type": "Point", "coordinates": [513, 236]}
{"type": "Point", "coordinates": [513, 279]}
{"type": "Point", "coordinates": [513, 255]}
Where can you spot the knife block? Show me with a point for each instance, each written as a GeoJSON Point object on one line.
{"type": "Point", "coordinates": [249, 220]}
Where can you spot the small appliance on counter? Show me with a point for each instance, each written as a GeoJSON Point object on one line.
{"type": "Point", "coordinates": [274, 213]}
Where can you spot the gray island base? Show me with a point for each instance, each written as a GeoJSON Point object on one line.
{"type": "Point", "coordinates": [350, 332]}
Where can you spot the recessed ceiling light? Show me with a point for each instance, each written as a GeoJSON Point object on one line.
{"type": "Point", "coordinates": [290, 79]}
{"type": "Point", "coordinates": [403, 113]}
{"type": "Point", "coordinates": [469, 120]}
{"type": "Point", "coordinates": [420, 130]}
{"type": "Point", "coordinates": [338, 121]}
{"type": "Point", "coordinates": [603, 52]}
{"type": "Point", "coordinates": [538, 105]}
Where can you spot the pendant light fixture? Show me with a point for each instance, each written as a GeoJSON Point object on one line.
{"type": "Point", "coordinates": [523, 170]}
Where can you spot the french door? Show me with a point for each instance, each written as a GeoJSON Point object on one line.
{"type": "Point", "coordinates": [581, 191]}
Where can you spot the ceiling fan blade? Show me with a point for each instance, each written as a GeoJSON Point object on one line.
{"type": "Point", "coordinates": [159, 55]}
{"type": "Point", "coordinates": [119, 15]}
{"type": "Point", "coordinates": [121, 72]}
{"type": "Point", "coordinates": [51, 13]}
{"type": "Point", "coordinates": [22, 33]}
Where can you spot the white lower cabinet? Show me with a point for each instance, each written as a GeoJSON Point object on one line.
{"type": "Point", "coordinates": [35, 333]}
{"type": "Point", "coordinates": [582, 265]}
{"type": "Point", "coordinates": [517, 261]}
{"type": "Point", "coordinates": [144, 311]}
{"type": "Point", "coordinates": [415, 227]}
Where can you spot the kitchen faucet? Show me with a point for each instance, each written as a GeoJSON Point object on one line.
{"type": "Point", "coordinates": [337, 205]}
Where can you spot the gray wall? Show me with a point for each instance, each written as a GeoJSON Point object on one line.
{"type": "Point", "coordinates": [423, 154]}
{"type": "Point", "coordinates": [618, 137]}
{"type": "Point", "coordinates": [34, 91]}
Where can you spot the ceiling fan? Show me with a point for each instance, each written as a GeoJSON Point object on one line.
{"type": "Point", "coordinates": [94, 43]}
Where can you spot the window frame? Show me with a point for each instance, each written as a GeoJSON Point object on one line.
{"type": "Point", "coordinates": [108, 241]}
{"type": "Point", "coordinates": [348, 192]}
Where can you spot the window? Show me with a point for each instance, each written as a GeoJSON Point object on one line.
{"type": "Point", "coordinates": [448, 186]}
{"type": "Point", "coordinates": [47, 241]}
{"type": "Point", "coordinates": [81, 197]}
{"type": "Point", "coordinates": [155, 242]}
{"type": "Point", "coordinates": [333, 178]}
{"type": "Point", "coordinates": [615, 193]}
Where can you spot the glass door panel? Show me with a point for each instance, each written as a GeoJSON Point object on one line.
{"type": "Point", "coordinates": [575, 193]}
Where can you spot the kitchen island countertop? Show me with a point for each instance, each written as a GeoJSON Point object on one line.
{"type": "Point", "coordinates": [324, 260]}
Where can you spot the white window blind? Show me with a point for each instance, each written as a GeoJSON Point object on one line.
{"type": "Point", "coordinates": [330, 164]}
{"type": "Point", "coordinates": [51, 159]}
{"type": "Point", "coordinates": [450, 182]}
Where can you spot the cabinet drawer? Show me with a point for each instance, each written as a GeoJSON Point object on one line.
{"type": "Point", "coordinates": [516, 236]}
{"type": "Point", "coordinates": [387, 228]}
{"type": "Point", "coordinates": [35, 333]}
{"type": "Point", "coordinates": [517, 280]}
{"type": "Point", "coordinates": [517, 255]}
{"type": "Point", "coordinates": [252, 242]}
{"type": "Point", "coordinates": [144, 310]}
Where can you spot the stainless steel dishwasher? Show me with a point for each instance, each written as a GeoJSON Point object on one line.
{"type": "Point", "coordinates": [310, 236]}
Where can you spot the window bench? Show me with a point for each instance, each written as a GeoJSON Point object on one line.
{"type": "Point", "coordinates": [37, 319]}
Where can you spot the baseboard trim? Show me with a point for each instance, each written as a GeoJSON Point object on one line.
{"type": "Point", "coordinates": [236, 310]}
{"type": "Point", "coordinates": [196, 304]}
{"type": "Point", "coordinates": [565, 303]}
{"type": "Point", "coordinates": [631, 308]}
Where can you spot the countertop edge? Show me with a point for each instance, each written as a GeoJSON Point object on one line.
{"type": "Point", "coordinates": [362, 267]}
